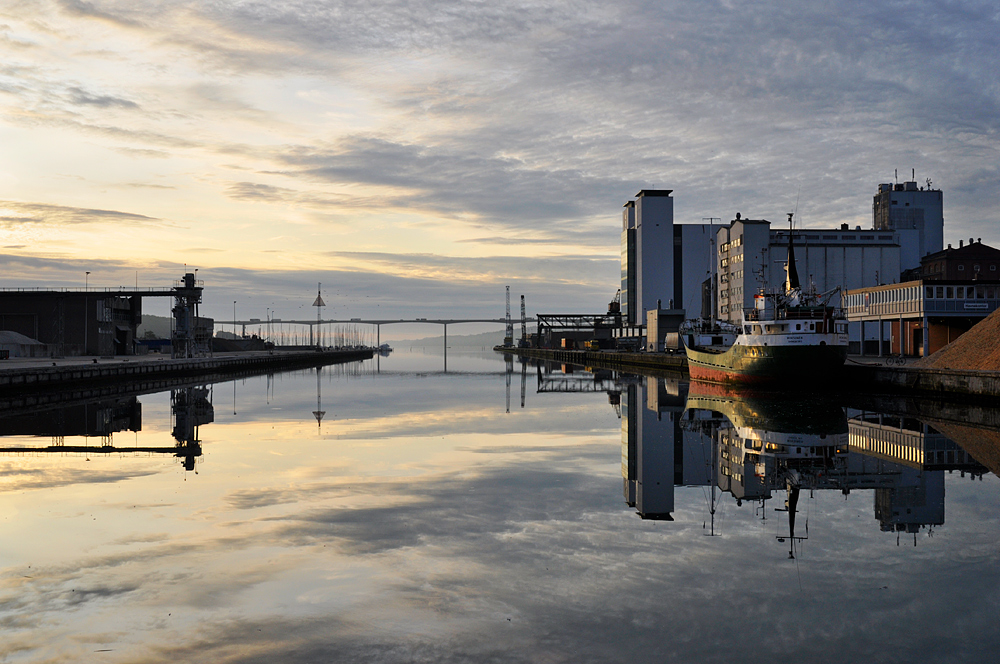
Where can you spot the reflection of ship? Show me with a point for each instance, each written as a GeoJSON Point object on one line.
{"type": "Point", "coordinates": [794, 334]}
{"type": "Point", "coordinates": [764, 439]}
{"type": "Point", "coordinates": [753, 445]}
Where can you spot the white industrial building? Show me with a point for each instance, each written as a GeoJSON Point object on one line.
{"type": "Point", "coordinates": [752, 256]}
{"type": "Point", "coordinates": [905, 206]}
{"type": "Point", "coordinates": [665, 264]}
{"type": "Point", "coordinates": [662, 262]}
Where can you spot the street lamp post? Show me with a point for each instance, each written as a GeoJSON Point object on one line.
{"type": "Point", "coordinates": [86, 320]}
{"type": "Point", "coordinates": [234, 318]}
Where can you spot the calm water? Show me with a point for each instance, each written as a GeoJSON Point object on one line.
{"type": "Point", "coordinates": [419, 520]}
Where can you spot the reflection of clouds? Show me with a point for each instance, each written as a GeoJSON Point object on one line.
{"type": "Point", "coordinates": [14, 478]}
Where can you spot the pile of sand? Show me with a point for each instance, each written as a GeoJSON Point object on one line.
{"type": "Point", "coordinates": [977, 349]}
{"type": "Point", "coordinates": [982, 444]}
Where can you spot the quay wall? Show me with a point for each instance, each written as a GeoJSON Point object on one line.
{"type": "Point", "coordinates": [963, 382]}
{"type": "Point", "coordinates": [869, 378]}
{"type": "Point", "coordinates": [605, 359]}
{"type": "Point", "coordinates": [28, 380]}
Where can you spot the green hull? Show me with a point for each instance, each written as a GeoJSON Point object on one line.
{"type": "Point", "coordinates": [767, 364]}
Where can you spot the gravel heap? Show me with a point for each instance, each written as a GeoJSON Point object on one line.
{"type": "Point", "coordinates": [983, 445]}
{"type": "Point", "coordinates": [977, 349]}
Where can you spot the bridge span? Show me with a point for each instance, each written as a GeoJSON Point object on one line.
{"type": "Point", "coordinates": [377, 322]}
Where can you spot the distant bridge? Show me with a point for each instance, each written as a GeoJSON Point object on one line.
{"type": "Point", "coordinates": [377, 322]}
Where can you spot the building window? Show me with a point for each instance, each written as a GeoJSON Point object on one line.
{"type": "Point", "coordinates": [940, 291]}
{"type": "Point", "coordinates": [950, 292]}
{"type": "Point", "coordinates": [993, 268]}
{"type": "Point", "coordinates": [975, 268]}
{"type": "Point", "coordinates": [961, 268]}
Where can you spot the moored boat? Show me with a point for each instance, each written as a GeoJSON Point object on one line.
{"type": "Point", "coordinates": [792, 335]}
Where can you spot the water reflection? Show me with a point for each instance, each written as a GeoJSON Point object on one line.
{"type": "Point", "coordinates": [190, 408]}
{"type": "Point", "coordinates": [423, 522]}
{"type": "Point", "coordinates": [752, 446]}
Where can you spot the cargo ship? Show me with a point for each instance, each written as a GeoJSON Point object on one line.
{"type": "Point", "coordinates": [793, 335]}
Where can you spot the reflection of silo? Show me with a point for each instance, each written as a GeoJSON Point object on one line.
{"type": "Point", "coordinates": [916, 499]}
{"type": "Point", "coordinates": [654, 470]}
{"type": "Point", "coordinates": [630, 407]}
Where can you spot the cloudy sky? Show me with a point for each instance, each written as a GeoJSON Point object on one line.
{"type": "Point", "coordinates": [416, 157]}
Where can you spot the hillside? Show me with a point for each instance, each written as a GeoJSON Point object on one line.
{"type": "Point", "coordinates": [159, 325]}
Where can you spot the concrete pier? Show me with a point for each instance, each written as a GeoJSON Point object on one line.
{"type": "Point", "coordinates": [619, 361]}
{"type": "Point", "coordinates": [928, 382]}
{"type": "Point", "coordinates": [38, 380]}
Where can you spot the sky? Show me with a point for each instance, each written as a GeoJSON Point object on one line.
{"type": "Point", "coordinates": [417, 157]}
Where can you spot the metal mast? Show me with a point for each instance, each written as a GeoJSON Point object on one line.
{"type": "Point", "coordinates": [508, 339]}
{"type": "Point", "coordinates": [318, 302]}
{"type": "Point", "coordinates": [319, 412]}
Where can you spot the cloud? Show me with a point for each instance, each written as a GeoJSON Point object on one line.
{"type": "Point", "coordinates": [81, 96]}
{"type": "Point", "coordinates": [85, 9]}
{"type": "Point", "coordinates": [488, 189]}
{"type": "Point", "coordinates": [16, 212]}
{"type": "Point", "coordinates": [25, 479]}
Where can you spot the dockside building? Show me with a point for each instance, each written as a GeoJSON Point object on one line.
{"type": "Point", "coordinates": [664, 264]}
{"type": "Point", "coordinates": [752, 257]}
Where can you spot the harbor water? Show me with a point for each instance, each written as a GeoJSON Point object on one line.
{"type": "Point", "coordinates": [394, 511]}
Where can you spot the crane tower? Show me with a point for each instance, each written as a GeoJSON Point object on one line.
{"type": "Point", "coordinates": [524, 327]}
{"type": "Point", "coordinates": [508, 338]}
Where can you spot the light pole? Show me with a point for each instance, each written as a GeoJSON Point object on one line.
{"type": "Point", "coordinates": [234, 318]}
{"type": "Point", "coordinates": [86, 321]}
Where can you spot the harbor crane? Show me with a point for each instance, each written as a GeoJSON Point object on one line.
{"type": "Point", "coordinates": [615, 306]}
{"type": "Point", "coordinates": [508, 337]}
{"type": "Point", "coordinates": [524, 327]}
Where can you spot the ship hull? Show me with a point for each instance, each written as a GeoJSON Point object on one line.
{"type": "Point", "coordinates": [768, 364]}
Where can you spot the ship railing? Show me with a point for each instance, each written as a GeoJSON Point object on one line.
{"type": "Point", "coordinates": [802, 315]}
